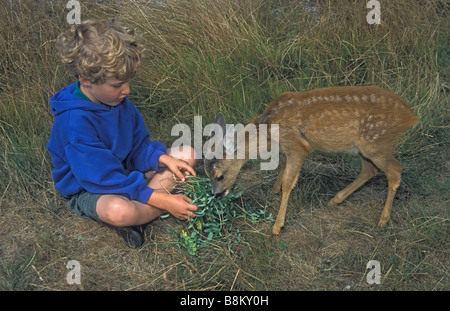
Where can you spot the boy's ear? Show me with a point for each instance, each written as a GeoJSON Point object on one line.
{"type": "Point", "coordinates": [84, 82]}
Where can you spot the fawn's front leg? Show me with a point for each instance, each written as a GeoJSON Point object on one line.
{"type": "Point", "coordinates": [289, 179]}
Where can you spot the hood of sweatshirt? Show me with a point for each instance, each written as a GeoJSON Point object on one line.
{"type": "Point", "coordinates": [66, 99]}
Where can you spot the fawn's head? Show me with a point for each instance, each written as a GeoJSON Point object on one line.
{"type": "Point", "coordinates": [220, 168]}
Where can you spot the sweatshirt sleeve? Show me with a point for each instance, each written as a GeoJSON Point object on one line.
{"type": "Point", "coordinates": [145, 154]}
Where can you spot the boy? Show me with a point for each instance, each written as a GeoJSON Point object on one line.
{"type": "Point", "coordinates": [100, 148]}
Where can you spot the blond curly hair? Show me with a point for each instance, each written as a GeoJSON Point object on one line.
{"type": "Point", "coordinates": [98, 50]}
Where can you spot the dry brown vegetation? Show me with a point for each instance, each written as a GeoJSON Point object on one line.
{"type": "Point", "coordinates": [235, 56]}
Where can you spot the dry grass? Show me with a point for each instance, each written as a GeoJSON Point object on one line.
{"type": "Point", "coordinates": [234, 56]}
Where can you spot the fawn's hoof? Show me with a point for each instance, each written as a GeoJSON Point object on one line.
{"type": "Point", "coordinates": [276, 230]}
{"type": "Point", "coordinates": [382, 222]}
{"type": "Point", "coordinates": [275, 190]}
{"type": "Point", "coordinates": [335, 201]}
{"type": "Point", "coordinates": [332, 203]}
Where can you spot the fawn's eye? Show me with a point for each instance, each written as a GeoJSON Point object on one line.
{"type": "Point", "coordinates": [220, 178]}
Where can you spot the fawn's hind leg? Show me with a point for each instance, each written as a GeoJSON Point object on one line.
{"type": "Point", "coordinates": [277, 185]}
{"type": "Point", "coordinates": [393, 169]}
{"type": "Point", "coordinates": [368, 170]}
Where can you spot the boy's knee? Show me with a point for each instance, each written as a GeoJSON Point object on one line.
{"type": "Point", "coordinates": [118, 212]}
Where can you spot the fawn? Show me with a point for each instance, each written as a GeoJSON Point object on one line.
{"type": "Point", "coordinates": [366, 119]}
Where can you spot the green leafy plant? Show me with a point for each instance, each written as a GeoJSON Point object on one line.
{"type": "Point", "coordinates": [214, 216]}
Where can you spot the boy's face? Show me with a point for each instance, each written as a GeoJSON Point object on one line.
{"type": "Point", "coordinates": [110, 93]}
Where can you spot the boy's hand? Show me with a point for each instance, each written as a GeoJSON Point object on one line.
{"type": "Point", "coordinates": [176, 166]}
{"type": "Point", "coordinates": [181, 208]}
{"type": "Point", "coordinates": [177, 205]}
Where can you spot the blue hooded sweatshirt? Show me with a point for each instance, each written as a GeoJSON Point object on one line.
{"type": "Point", "coordinates": [100, 149]}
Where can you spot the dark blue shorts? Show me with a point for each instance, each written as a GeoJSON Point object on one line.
{"type": "Point", "coordinates": [85, 205]}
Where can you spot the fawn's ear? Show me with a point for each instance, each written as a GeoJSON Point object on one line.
{"type": "Point", "coordinates": [220, 120]}
{"type": "Point", "coordinates": [229, 141]}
